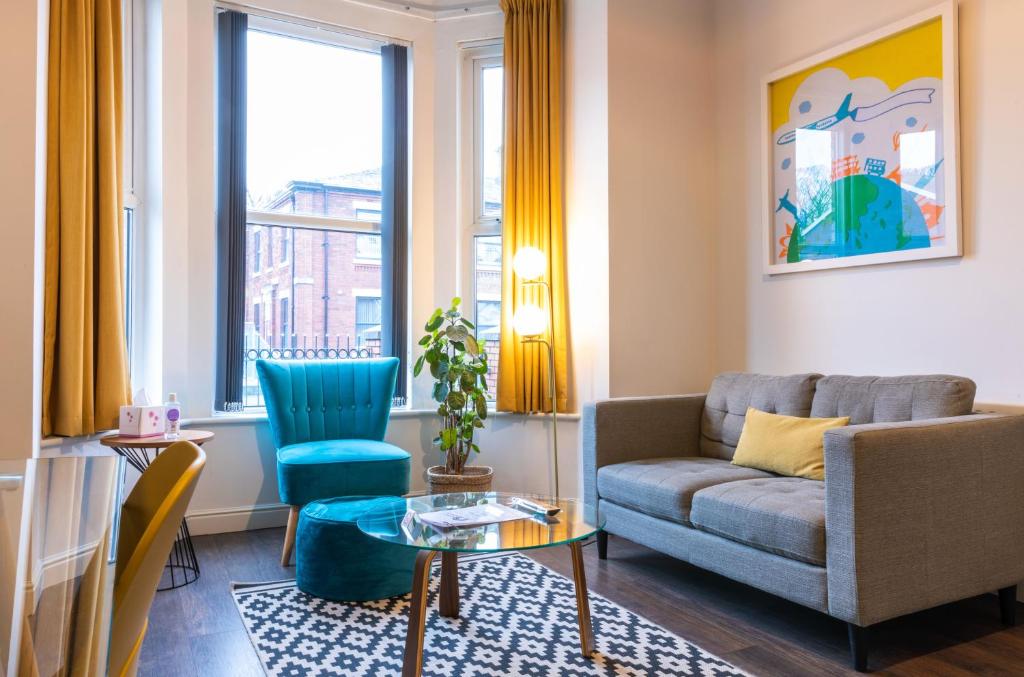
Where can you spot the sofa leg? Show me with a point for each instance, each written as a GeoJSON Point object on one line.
{"type": "Point", "coordinates": [858, 646]}
{"type": "Point", "coordinates": [289, 536]}
{"type": "Point", "coordinates": [1008, 605]}
{"type": "Point", "coordinates": [602, 544]}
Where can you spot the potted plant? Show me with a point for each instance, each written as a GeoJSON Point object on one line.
{"type": "Point", "coordinates": [458, 364]}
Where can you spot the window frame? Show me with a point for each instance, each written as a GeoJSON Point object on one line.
{"type": "Point", "coordinates": [481, 59]}
{"type": "Point", "coordinates": [289, 223]}
{"type": "Point", "coordinates": [476, 56]}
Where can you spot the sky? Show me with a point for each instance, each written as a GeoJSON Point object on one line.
{"type": "Point", "coordinates": [314, 111]}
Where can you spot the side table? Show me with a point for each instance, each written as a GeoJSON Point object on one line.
{"type": "Point", "coordinates": [182, 563]}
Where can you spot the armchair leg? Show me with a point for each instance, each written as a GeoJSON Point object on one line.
{"type": "Point", "coordinates": [289, 536]}
{"type": "Point", "coordinates": [858, 646]}
{"type": "Point", "coordinates": [1008, 605]}
{"type": "Point", "coordinates": [602, 544]}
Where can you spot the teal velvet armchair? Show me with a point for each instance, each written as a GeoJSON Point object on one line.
{"type": "Point", "coordinates": [328, 419]}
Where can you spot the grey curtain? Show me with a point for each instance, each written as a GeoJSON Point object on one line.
{"type": "Point", "coordinates": [230, 176]}
{"type": "Point", "coordinates": [395, 210]}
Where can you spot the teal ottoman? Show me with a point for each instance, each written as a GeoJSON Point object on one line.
{"type": "Point", "coordinates": [336, 561]}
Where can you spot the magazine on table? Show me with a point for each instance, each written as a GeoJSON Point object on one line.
{"type": "Point", "coordinates": [476, 515]}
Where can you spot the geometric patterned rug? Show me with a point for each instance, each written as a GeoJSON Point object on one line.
{"type": "Point", "coordinates": [517, 617]}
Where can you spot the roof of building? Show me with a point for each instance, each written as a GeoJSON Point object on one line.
{"type": "Point", "coordinates": [365, 181]}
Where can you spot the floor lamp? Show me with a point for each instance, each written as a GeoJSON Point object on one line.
{"type": "Point", "coordinates": [531, 322]}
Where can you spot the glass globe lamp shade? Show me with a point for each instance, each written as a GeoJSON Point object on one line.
{"type": "Point", "coordinates": [529, 263]}
{"type": "Point", "coordinates": [530, 320]}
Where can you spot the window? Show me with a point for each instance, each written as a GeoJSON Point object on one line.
{"type": "Point", "coordinates": [314, 123]}
{"type": "Point", "coordinates": [490, 136]}
{"type": "Point", "coordinates": [313, 183]}
{"type": "Point", "coordinates": [368, 247]}
{"type": "Point", "coordinates": [257, 251]}
{"type": "Point", "coordinates": [368, 322]}
{"type": "Point", "coordinates": [285, 324]}
{"type": "Point", "coordinates": [483, 136]}
{"type": "Point", "coordinates": [133, 90]}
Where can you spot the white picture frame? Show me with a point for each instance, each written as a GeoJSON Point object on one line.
{"type": "Point", "coordinates": [948, 220]}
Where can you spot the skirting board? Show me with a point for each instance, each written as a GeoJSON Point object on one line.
{"type": "Point", "coordinates": [242, 518]}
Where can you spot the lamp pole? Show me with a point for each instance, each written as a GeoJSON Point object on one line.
{"type": "Point", "coordinates": [551, 373]}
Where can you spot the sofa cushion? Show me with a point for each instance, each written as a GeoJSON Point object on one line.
{"type": "Point", "coordinates": [664, 487]}
{"type": "Point", "coordinates": [885, 399]}
{"type": "Point", "coordinates": [787, 445]}
{"type": "Point", "coordinates": [781, 515]}
{"type": "Point", "coordinates": [730, 395]}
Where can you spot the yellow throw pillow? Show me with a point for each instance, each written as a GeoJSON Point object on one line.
{"type": "Point", "coordinates": [787, 445]}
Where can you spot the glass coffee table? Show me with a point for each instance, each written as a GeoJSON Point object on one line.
{"type": "Point", "coordinates": [391, 523]}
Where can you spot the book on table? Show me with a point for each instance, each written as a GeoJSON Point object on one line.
{"type": "Point", "coordinates": [473, 516]}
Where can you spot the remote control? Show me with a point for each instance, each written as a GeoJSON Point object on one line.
{"type": "Point", "coordinates": [536, 506]}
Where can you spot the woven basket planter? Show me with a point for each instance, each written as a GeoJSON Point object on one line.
{"type": "Point", "coordinates": [474, 478]}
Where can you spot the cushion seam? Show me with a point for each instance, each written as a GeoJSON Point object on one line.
{"type": "Point", "coordinates": [760, 546]}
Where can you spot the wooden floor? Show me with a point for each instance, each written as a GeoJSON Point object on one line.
{"type": "Point", "coordinates": [196, 630]}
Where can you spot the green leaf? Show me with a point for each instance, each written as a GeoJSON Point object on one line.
{"type": "Point", "coordinates": [481, 407]}
{"type": "Point", "coordinates": [478, 422]}
{"type": "Point", "coordinates": [471, 345]}
{"type": "Point", "coordinates": [439, 370]}
{"type": "Point", "coordinates": [456, 399]}
{"type": "Point", "coordinates": [475, 448]}
{"type": "Point", "coordinates": [448, 438]}
{"type": "Point", "coordinates": [467, 323]}
{"type": "Point", "coordinates": [457, 332]}
{"type": "Point", "coordinates": [456, 301]}
{"type": "Point", "coordinates": [425, 341]}
{"type": "Point", "coordinates": [440, 391]}
{"type": "Point", "coordinates": [467, 381]}
{"type": "Point", "coordinates": [418, 367]}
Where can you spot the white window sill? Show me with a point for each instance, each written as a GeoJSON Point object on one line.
{"type": "Point", "coordinates": [231, 418]}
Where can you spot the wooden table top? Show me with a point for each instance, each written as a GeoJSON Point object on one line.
{"type": "Point", "coordinates": [157, 441]}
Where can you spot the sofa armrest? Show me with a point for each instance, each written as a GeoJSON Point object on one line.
{"type": "Point", "coordinates": [922, 513]}
{"type": "Point", "coordinates": [634, 428]}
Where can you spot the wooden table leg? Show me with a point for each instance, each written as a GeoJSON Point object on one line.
{"type": "Point", "coordinates": [582, 600]}
{"type": "Point", "coordinates": [413, 662]}
{"type": "Point", "coordinates": [448, 597]}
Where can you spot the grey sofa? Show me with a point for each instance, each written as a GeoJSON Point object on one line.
{"type": "Point", "coordinates": [922, 503]}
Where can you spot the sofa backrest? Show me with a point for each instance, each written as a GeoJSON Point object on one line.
{"type": "Point", "coordinates": [725, 407]}
{"type": "Point", "coordinates": [884, 399]}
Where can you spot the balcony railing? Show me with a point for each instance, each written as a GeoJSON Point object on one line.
{"type": "Point", "coordinates": [324, 348]}
{"type": "Point", "coordinates": [299, 348]}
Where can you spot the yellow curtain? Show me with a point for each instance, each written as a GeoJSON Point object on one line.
{"type": "Point", "coordinates": [533, 201]}
{"type": "Point", "coordinates": [85, 365]}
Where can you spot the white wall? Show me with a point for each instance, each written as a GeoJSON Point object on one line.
{"type": "Point", "coordinates": [661, 172]}
{"type": "Point", "coordinates": [23, 45]}
{"type": "Point", "coordinates": [586, 193]}
{"type": "Point", "coordinates": [961, 316]}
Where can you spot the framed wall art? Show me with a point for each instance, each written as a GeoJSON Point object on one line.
{"type": "Point", "coordinates": [860, 146]}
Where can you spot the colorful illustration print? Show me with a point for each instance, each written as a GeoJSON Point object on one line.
{"type": "Point", "coordinates": [857, 151]}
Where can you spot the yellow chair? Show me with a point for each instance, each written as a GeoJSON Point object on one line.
{"type": "Point", "coordinates": [149, 522]}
